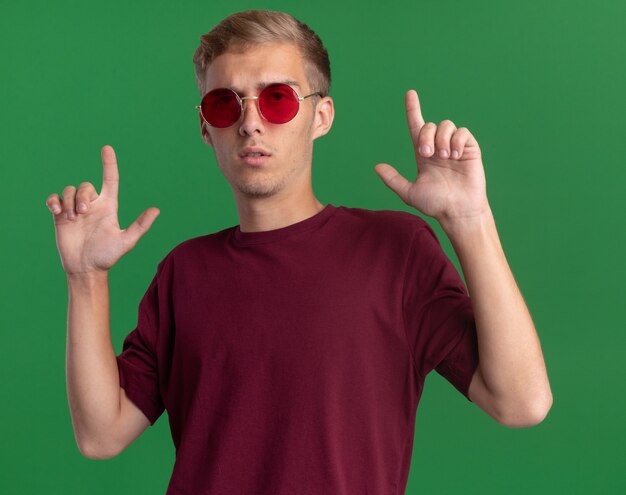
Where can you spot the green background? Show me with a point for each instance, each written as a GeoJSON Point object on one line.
{"type": "Point", "coordinates": [539, 84]}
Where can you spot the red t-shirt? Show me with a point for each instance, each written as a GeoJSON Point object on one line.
{"type": "Point", "coordinates": [292, 360]}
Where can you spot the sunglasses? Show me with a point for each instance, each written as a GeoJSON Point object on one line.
{"type": "Point", "coordinates": [277, 103]}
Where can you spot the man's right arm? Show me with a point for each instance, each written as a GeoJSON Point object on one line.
{"type": "Point", "coordinates": [105, 421]}
{"type": "Point", "coordinates": [90, 242]}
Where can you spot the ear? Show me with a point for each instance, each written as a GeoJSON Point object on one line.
{"type": "Point", "coordinates": [204, 129]}
{"type": "Point", "coordinates": [324, 115]}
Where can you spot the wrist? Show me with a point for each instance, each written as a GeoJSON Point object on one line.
{"type": "Point", "coordinates": [474, 238]}
{"type": "Point", "coordinates": [469, 225]}
{"type": "Point", "coordinates": [88, 279]}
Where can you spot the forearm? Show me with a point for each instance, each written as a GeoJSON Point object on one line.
{"type": "Point", "coordinates": [511, 361]}
{"type": "Point", "coordinates": [91, 369]}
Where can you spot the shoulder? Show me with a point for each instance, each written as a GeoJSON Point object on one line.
{"type": "Point", "coordinates": [195, 248]}
{"type": "Point", "coordinates": [202, 242]}
{"type": "Point", "coordinates": [400, 232]}
{"type": "Point", "coordinates": [392, 222]}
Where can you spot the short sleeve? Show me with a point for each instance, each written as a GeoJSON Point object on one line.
{"type": "Point", "coordinates": [137, 363]}
{"type": "Point", "coordinates": [438, 315]}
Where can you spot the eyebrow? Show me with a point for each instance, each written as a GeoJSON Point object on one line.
{"type": "Point", "coordinates": [262, 85]}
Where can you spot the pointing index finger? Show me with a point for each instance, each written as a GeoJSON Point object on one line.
{"type": "Point", "coordinates": [110, 174]}
{"type": "Point", "coordinates": [413, 114]}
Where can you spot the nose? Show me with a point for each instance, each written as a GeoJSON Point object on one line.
{"type": "Point", "coordinates": [251, 120]}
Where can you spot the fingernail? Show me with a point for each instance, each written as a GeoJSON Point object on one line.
{"type": "Point", "coordinates": [82, 207]}
{"type": "Point", "coordinates": [425, 149]}
{"type": "Point", "coordinates": [443, 153]}
{"type": "Point", "coordinates": [56, 210]}
{"type": "Point", "coordinates": [455, 154]}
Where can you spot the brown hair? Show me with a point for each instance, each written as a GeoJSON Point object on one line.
{"type": "Point", "coordinates": [243, 29]}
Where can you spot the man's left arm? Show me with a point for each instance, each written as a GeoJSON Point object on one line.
{"type": "Point", "coordinates": [511, 382]}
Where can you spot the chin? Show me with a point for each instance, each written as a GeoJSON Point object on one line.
{"type": "Point", "coordinates": [258, 190]}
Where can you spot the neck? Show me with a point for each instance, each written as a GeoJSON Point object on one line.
{"type": "Point", "coordinates": [275, 212]}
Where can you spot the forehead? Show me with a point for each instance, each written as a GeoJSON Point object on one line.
{"type": "Point", "coordinates": [248, 69]}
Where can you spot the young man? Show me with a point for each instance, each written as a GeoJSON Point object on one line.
{"type": "Point", "coordinates": [290, 351]}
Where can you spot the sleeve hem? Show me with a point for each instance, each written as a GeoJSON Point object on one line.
{"type": "Point", "coordinates": [148, 407]}
{"type": "Point", "coordinates": [457, 372]}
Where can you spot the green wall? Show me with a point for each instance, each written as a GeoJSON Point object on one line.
{"type": "Point", "coordinates": [539, 84]}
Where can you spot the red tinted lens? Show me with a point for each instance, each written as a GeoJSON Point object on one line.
{"type": "Point", "coordinates": [278, 103]}
{"type": "Point", "coordinates": [221, 107]}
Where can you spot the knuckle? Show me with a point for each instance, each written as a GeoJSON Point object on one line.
{"type": "Point", "coordinates": [442, 138]}
{"type": "Point", "coordinates": [427, 131]}
{"type": "Point", "coordinates": [459, 134]}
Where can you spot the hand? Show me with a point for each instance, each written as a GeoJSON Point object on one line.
{"type": "Point", "coordinates": [90, 240]}
{"type": "Point", "coordinates": [448, 187]}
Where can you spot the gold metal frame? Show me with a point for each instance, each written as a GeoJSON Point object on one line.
{"type": "Point", "coordinates": [241, 100]}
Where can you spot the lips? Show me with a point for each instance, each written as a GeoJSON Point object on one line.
{"type": "Point", "coordinates": [254, 155]}
{"type": "Point", "coordinates": [253, 151]}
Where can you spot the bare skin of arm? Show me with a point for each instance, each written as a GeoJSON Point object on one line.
{"type": "Point", "coordinates": [90, 242]}
{"type": "Point", "coordinates": [511, 383]}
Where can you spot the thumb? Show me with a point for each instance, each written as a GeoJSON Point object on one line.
{"type": "Point", "coordinates": [394, 181]}
{"type": "Point", "coordinates": [139, 227]}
